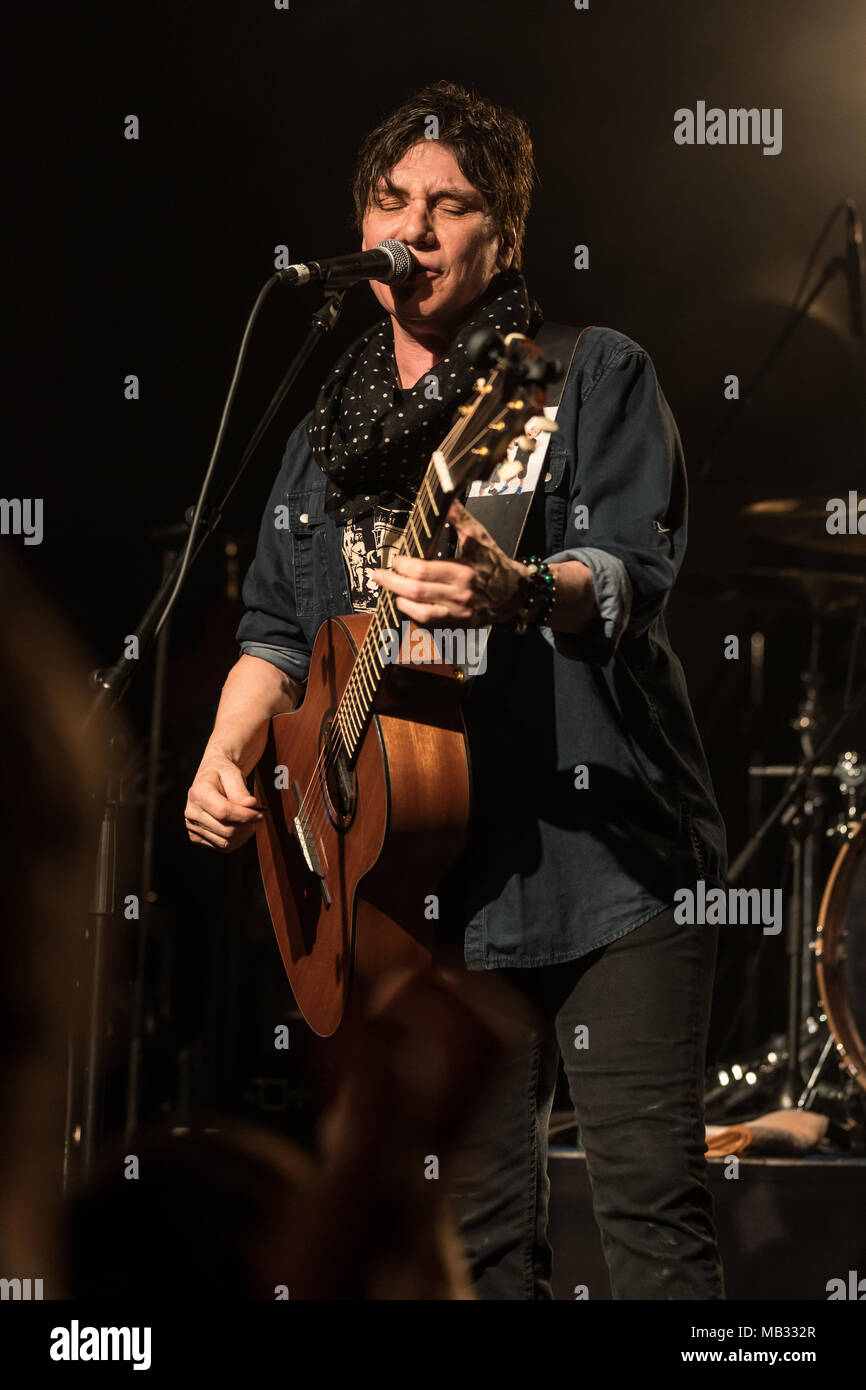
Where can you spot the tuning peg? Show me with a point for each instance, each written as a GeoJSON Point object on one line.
{"type": "Point", "coordinates": [541, 370]}
{"type": "Point", "coordinates": [484, 347]}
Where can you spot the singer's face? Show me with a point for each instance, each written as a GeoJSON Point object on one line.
{"type": "Point", "coordinates": [434, 208]}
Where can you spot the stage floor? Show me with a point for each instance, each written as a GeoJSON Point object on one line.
{"type": "Point", "coordinates": [786, 1226]}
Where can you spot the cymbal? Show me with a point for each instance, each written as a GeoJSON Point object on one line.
{"type": "Point", "coordinates": [817, 585]}
{"type": "Point", "coordinates": [820, 591]}
{"type": "Point", "coordinates": [802, 521]}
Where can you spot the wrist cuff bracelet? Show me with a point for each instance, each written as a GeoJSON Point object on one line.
{"type": "Point", "coordinates": [541, 597]}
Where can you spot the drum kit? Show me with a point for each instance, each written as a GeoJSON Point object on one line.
{"type": "Point", "coordinates": [820, 1061]}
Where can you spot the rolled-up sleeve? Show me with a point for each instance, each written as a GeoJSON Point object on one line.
{"type": "Point", "coordinates": [286, 658]}
{"type": "Point", "coordinates": [613, 597]}
{"type": "Point", "coordinates": [270, 628]}
{"type": "Point", "coordinates": [627, 520]}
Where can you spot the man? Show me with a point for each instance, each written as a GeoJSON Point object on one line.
{"type": "Point", "coordinates": [592, 799]}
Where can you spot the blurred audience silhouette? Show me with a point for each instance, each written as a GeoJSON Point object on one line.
{"type": "Point", "coordinates": [226, 1209]}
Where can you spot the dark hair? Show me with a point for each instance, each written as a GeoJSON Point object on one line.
{"type": "Point", "coordinates": [492, 147]}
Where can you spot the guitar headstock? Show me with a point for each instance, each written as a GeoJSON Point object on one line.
{"type": "Point", "coordinates": [511, 393]}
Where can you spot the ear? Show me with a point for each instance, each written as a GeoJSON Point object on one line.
{"type": "Point", "coordinates": [505, 254]}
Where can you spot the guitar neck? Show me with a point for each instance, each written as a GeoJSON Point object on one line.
{"type": "Point", "coordinates": [477, 439]}
{"type": "Point", "coordinates": [419, 540]}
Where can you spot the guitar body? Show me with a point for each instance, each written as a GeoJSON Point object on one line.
{"type": "Point", "coordinates": [381, 831]}
{"type": "Point", "coordinates": [365, 788]}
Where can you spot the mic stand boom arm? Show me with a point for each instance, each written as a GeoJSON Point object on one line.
{"type": "Point", "coordinates": [113, 681]}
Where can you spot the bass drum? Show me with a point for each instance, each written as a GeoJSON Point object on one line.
{"type": "Point", "coordinates": [840, 952]}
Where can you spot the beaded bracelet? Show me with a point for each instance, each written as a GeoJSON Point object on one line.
{"type": "Point", "coordinates": [542, 586]}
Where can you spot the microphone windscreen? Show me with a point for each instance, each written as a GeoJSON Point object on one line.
{"type": "Point", "coordinates": [404, 262]}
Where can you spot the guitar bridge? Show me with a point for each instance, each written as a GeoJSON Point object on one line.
{"type": "Point", "coordinates": [308, 845]}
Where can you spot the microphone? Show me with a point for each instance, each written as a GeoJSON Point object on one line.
{"type": "Point", "coordinates": [854, 268]}
{"type": "Point", "coordinates": [389, 261]}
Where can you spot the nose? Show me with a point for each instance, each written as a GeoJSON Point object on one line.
{"type": "Point", "coordinates": [416, 225]}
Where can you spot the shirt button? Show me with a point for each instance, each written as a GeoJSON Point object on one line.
{"type": "Point", "coordinates": [305, 516]}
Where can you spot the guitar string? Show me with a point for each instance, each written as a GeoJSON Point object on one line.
{"type": "Point", "coordinates": [360, 692]}
{"type": "Point", "coordinates": [351, 715]}
{"type": "Point", "coordinates": [351, 732]}
{"type": "Point", "coordinates": [350, 718]}
{"type": "Point", "coordinates": [340, 729]}
{"type": "Point", "coordinates": [353, 720]}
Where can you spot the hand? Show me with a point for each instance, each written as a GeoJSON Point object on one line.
{"type": "Point", "coordinates": [220, 812]}
{"type": "Point", "coordinates": [483, 586]}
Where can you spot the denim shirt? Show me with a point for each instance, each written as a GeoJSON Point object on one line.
{"type": "Point", "coordinates": [592, 800]}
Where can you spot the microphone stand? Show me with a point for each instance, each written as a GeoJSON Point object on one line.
{"type": "Point", "coordinates": [111, 685]}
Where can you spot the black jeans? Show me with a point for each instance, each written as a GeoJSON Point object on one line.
{"type": "Point", "coordinates": [638, 1011]}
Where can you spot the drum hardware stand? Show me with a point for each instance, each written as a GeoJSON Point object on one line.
{"type": "Point", "coordinates": [85, 1075]}
{"type": "Point", "coordinates": [851, 775]}
{"type": "Point", "coordinates": [803, 817]}
{"type": "Point", "coordinates": [807, 1099]}
{"type": "Point", "coordinates": [746, 1086]}
{"type": "Point", "coordinates": [798, 803]}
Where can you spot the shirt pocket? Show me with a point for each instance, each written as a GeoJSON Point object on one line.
{"type": "Point", "coordinates": [554, 468]}
{"type": "Point", "coordinates": [554, 481]}
{"type": "Point", "coordinates": [308, 528]}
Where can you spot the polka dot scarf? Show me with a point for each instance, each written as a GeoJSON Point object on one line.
{"type": "Point", "coordinates": [372, 440]}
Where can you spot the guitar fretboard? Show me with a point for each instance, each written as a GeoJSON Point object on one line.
{"type": "Point", "coordinates": [419, 539]}
{"type": "Point", "coordinates": [423, 530]}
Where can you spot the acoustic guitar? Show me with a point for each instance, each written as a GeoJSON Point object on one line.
{"type": "Point", "coordinates": [365, 787]}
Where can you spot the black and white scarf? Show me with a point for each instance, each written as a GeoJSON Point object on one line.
{"type": "Point", "coordinates": [373, 441]}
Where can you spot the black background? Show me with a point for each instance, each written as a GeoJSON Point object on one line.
{"type": "Point", "coordinates": [145, 257]}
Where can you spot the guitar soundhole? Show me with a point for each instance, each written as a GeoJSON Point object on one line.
{"type": "Point", "coordinates": [338, 777]}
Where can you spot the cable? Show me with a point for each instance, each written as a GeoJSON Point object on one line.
{"type": "Point", "coordinates": [215, 453]}
{"type": "Point", "coordinates": [813, 254]}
